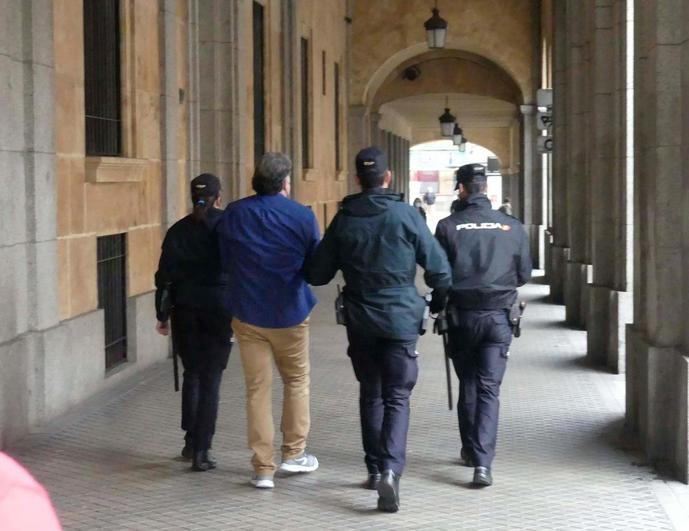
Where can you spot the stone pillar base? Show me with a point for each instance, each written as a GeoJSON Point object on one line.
{"type": "Point", "coordinates": [657, 397]}
{"type": "Point", "coordinates": [536, 238]}
{"type": "Point", "coordinates": [547, 256]}
{"type": "Point", "coordinates": [556, 274]}
{"type": "Point", "coordinates": [609, 311]}
{"type": "Point", "coordinates": [577, 278]}
{"type": "Point", "coordinates": [55, 369]}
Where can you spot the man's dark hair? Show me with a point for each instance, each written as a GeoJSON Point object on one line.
{"type": "Point", "coordinates": [270, 173]}
{"type": "Point", "coordinates": [369, 181]}
{"type": "Point", "coordinates": [480, 187]}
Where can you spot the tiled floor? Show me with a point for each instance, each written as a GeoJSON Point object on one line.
{"type": "Point", "coordinates": [114, 465]}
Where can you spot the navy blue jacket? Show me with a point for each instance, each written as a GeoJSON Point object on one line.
{"type": "Point", "coordinates": [190, 266]}
{"type": "Point", "coordinates": [377, 241]}
{"type": "Point", "coordinates": [264, 242]}
{"type": "Point", "coordinates": [489, 255]}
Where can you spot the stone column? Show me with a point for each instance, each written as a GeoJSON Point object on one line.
{"type": "Point", "coordinates": [169, 113]}
{"type": "Point", "coordinates": [377, 135]}
{"type": "Point", "coordinates": [405, 169]}
{"type": "Point", "coordinates": [578, 268]}
{"type": "Point", "coordinates": [193, 101]}
{"type": "Point", "coordinates": [658, 340]}
{"type": "Point", "coordinates": [531, 182]}
{"type": "Point", "coordinates": [289, 74]}
{"type": "Point", "coordinates": [609, 301]}
{"type": "Point", "coordinates": [359, 137]}
{"type": "Point", "coordinates": [559, 251]}
{"type": "Point", "coordinates": [223, 99]}
{"type": "Point", "coordinates": [28, 214]}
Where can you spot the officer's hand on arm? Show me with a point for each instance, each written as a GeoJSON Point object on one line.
{"type": "Point", "coordinates": [438, 300]}
{"type": "Point", "coordinates": [323, 264]}
{"type": "Point", "coordinates": [431, 257]}
{"type": "Point", "coordinates": [163, 328]}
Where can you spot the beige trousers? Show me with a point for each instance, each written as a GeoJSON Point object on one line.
{"type": "Point", "coordinates": [289, 348]}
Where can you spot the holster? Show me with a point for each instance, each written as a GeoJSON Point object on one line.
{"type": "Point", "coordinates": [452, 316]}
{"type": "Point", "coordinates": [426, 314]}
{"type": "Point", "coordinates": [515, 317]}
{"type": "Point", "coordinates": [340, 311]}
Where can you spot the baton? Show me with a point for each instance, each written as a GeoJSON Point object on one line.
{"type": "Point", "coordinates": [175, 365]}
{"type": "Point", "coordinates": [175, 369]}
{"type": "Point", "coordinates": [441, 329]}
{"type": "Point", "coordinates": [447, 374]}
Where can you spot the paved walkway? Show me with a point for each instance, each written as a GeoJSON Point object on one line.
{"type": "Point", "coordinates": [114, 465]}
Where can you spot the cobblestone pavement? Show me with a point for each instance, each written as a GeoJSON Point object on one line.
{"type": "Point", "coordinates": [114, 465]}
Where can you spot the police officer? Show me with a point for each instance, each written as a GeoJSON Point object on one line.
{"type": "Point", "coordinates": [489, 255]}
{"type": "Point", "coordinates": [377, 240]}
{"type": "Point", "coordinates": [189, 273]}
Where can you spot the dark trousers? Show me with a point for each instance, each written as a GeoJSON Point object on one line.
{"type": "Point", "coordinates": [386, 370]}
{"type": "Point", "coordinates": [202, 340]}
{"type": "Point", "coordinates": [479, 343]}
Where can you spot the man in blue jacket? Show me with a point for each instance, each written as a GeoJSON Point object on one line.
{"type": "Point", "coordinates": [377, 241]}
{"type": "Point", "coordinates": [264, 241]}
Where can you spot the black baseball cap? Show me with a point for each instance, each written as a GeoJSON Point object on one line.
{"type": "Point", "coordinates": [371, 162]}
{"type": "Point", "coordinates": [471, 173]}
{"type": "Point", "coordinates": [205, 185]}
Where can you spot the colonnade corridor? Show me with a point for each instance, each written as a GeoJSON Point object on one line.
{"type": "Point", "coordinates": [560, 464]}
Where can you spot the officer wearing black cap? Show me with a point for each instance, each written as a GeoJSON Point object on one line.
{"type": "Point", "coordinates": [377, 241]}
{"type": "Point", "coordinates": [489, 255]}
{"type": "Point", "coordinates": [191, 290]}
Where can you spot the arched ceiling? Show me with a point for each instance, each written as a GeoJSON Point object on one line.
{"type": "Point", "coordinates": [447, 71]}
{"type": "Point", "coordinates": [387, 33]}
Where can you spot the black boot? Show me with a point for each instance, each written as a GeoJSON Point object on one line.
{"type": "Point", "coordinates": [482, 477]}
{"type": "Point", "coordinates": [203, 461]}
{"type": "Point", "coordinates": [389, 492]}
{"type": "Point", "coordinates": [466, 458]}
{"type": "Point", "coordinates": [188, 450]}
{"type": "Point", "coordinates": [372, 481]}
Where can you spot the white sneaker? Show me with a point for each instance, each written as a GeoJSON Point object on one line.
{"type": "Point", "coordinates": [304, 463]}
{"type": "Point", "coordinates": [262, 482]}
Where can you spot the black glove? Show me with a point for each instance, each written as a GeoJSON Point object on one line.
{"type": "Point", "coordinates": [438, 300]}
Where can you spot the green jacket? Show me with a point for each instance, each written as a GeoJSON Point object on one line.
{"type": "Point", "coordinates": [377, 241]}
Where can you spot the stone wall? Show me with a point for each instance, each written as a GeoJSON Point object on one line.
{"type": "Point", "coordinates": [186, 82]}
{"type": "Point", "coordinates": [28, 246]}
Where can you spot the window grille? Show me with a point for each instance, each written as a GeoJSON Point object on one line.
{"type": "Point", "coordinates": [102, 98]}
{"type": "Point", "coordinates": [305, 105]}
{"type": "Point", "coordinates": [259, 82]}
{"type": "Point", "coordinates": [336, 83]}
{"type": "Point", "coordinates": [112, 296]}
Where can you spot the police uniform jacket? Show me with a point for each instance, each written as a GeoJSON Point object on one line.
{"type": "Point", "coordinates": [489, 255]}
{"type": "Point", "coordinates": [377, 241]}
{"type": "Point", "coordinates": [190, 266]}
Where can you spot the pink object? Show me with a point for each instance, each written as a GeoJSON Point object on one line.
{"type": "Point", "coordinates": [24, 503]}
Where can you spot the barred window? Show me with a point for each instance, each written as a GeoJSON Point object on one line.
{"type": "Point", "coordinates": [336, 86]}
{"type": "Point", "coordinates": [305, 105]}
{"type": "Point", "coordinates": [102, 91]}
{"type": "Point", "coordinates": [259, 82]}
{"type": "Point", "coordinates": [112, 295]}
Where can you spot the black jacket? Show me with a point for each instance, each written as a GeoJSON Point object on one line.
{"type": "Point", "coordinates": [489, 255]}
{"type": "Point", "coordinates": [190, 265]}
{"type": "Point", "coordinates": [377, 241]}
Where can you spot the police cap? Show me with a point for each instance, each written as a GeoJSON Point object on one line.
{"type": "Point", "coordinates": [371, 162]}
{"type": "Point", "coordinates": [471, 173]}
{"type": "Point", "coordinates": [205, 185]}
